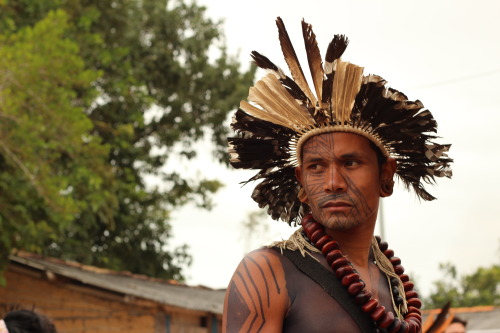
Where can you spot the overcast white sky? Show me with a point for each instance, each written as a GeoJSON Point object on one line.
{"type": "Point", "coordinates": [445, 53]}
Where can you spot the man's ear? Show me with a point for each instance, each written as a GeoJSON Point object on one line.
{"type": "Point", "coordinates": [386, 177]}
{"type": "Point", "coordinates": [298, 174]}
{"type": "Point", "coordinates": [302, 193]}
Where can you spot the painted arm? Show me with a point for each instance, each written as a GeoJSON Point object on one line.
{"type": "Point", "coordinates": [256, 299]}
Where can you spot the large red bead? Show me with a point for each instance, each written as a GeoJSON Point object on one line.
{"type": "Point", "coordinates": [419, 326]}
{"type": "Point", "coordinates": [333, 255]}
{"type": "Point", "coordinates": [307, 219]}
{"type": "Point", "coordinates": [383, 246]}
{"type": "Point", "coordinates": [404, 327]}
{"type": "Point", "coordinates": [347, 269]}
{"type": "Point", "coordinates": [315, 236]}
{"type": "Point", "coordinates": [331, 245]}
{"type": "Point", "coordinates": [389, 253]}
{"type": "Point", "coordinates": [395, 326]}
{"type": "Point", "coordinates": [415, 302]}
{"type": "Point", "coordinates": [306, 226]}
{"type": "Point", "coordinates": [399, 269]}
{"type": "Point", "coordinates": [311, 228]}
{"type": "Point", "coordinates": [411, 294]}
{"type": "Point", "coordinates": [370, 306]}
{"type": "Point", "coordinates": [349, 279]}
{"type": "Point", "coordinates": [377, 314]}
{"type": "Point", "coordinates": [339, 263]}
{"type": "Point", "coordinates": [363, 297]}
{"type": "Point", "coordinates": [355, 288]}
{"type": "Point", "coordinates": [408, 285]}
{"type": "Point", "coordinates": [412, 327]}
{"type": "Point", "coordinates": [395, 261]}
{"type": "Point", "coordinates": [322, 241]}
{"type": "Point", "coordinates": [404, 278]}
{"type": "Point", "coordinates": [386, 320]}
{"type": "Point", "coordinates": [414, 317]}
{"type": "Point", "coordinates": [414, 310]}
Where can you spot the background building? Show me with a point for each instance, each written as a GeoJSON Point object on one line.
{"type": "Point", "coordinates": [82, 299]}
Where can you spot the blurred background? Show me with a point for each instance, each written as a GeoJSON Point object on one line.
{"type": "Point", "coordinates": [114, 114]}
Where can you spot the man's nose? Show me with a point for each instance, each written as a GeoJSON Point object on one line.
{"type": "Point", "coordinates": [335, 181]}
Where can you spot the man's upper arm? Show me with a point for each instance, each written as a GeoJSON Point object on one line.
{"type": "Point", "coordinates": [256, 298]}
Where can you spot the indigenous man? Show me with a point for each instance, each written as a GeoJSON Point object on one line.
{"type": "Point", "coordinates": [325, 160]}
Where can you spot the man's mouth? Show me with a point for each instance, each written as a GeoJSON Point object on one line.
{"type": "Point", "coordinates": [336, 206]}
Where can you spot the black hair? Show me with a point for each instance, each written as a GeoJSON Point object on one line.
{"type": "Point", "coordinates": [27, 321]}
{"type": "Point", "coordinates": [381, 159]}
{"type": "Point", "coordinates": [459, 320]}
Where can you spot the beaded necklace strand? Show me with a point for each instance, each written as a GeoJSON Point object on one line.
{"type": "Point", "coordinates": [350, 279]}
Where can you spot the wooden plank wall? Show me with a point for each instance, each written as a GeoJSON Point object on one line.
{"type": "Point", "coordinates": [82, 309]}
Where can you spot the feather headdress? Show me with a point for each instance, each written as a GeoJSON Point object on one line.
{"type": "Point", "coordinates": [282, 112]}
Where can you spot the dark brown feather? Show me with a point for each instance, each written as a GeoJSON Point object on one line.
{"type": "Point", "coordinates": [334, 51]}
{"type": "Point", "coordinates": [293, 61]}
{"type": "Point", "coordinates": [313, 58]}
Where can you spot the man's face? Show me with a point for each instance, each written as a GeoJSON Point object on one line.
{"type": "Point", "coordinates": [341, 178]}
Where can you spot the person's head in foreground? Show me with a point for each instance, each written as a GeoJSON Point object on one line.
{"type": "Point", "coordinates": [457, 325]}
{"type": "Point", "coordinates": [325, 156]}
{"type": "Point", "coordinates": [26, 321]}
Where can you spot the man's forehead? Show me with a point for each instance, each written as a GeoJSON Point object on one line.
{"type": "Point", "coordinates": [338, 143]}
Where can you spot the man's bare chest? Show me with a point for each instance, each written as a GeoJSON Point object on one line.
{"type": "Point", "coordinates": [312, 309]}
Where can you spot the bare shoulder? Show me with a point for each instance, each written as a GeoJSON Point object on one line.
{"type": "Point", "coordinates": [256, 298]}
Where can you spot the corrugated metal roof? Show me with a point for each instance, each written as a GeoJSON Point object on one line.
{"type": "Point", "coordinates": [481, 320]}
{"type": "Point", "coordinates": [484, 319]}
{"type": "Point", "coordinates": [164, 292]}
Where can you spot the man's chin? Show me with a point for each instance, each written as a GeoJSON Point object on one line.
{"type": "Point", "coordinates": [340, 224]}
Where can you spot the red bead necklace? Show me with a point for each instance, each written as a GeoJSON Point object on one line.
{"type": "Point", "coordinates": [351, 280]}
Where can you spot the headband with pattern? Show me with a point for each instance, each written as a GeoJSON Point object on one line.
{"type": "Point", "coordinates": [282, 112]}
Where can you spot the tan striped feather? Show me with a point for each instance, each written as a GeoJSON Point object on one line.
{"type": "Point", "coordinates": [278, 105]}
{"type": "Point", "coordinates": [292, 61]}
{"type": "Point", "coordinates": [262, 114]}
{"type": "Point", "coordinates": [313, 58]}
{"type": "Point", "coordinates": [346, 85]}
{"type": "Point", "coordinates": [265, 96]}
{"type": "Point", "coordinates": [258, 95]}
{"type": "Point", "coordinates": [289, 105]}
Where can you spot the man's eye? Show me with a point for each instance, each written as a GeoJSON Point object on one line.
{"type": "Point", "coordinates": [351, 163]}
{"type": "Point", "coordinates": [314, 167]}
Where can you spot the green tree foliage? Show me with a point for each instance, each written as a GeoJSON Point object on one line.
{"type": "Point", "coordinates": [51, 167]}
{"type": "Point", "coordinates": [163, 81]}
{"type": "Point", "coordinates": [479, 288]}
